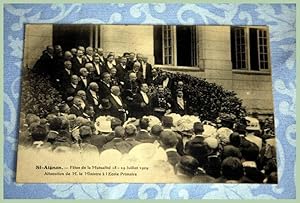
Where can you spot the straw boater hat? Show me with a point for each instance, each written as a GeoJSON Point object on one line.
{"type": "Point", "coordinates": [147, 152]}
{"type": "Point", "coordinates": [103, 126]}
{"type": "Point", "coordinates": [209, 131]}
{"type": "Point", "coordinates": [252, 123]}
{"type": "Point", "coordinates": [110, 155]}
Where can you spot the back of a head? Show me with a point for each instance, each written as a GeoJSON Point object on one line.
{"type": "Point", "coordinates": [232, 168]}
{"type": "Point", "coordinates": [235, 139]}
{"type": "Point", "coordinates": [39, 133]}
{"type": "Point", "coordinates": [115, 122]}
{"type": "Point", "coordinates": [55, 123]}
{"type": "Point", "coordinates": [119, 132]}
{"type": "Point", "coordinates": [167, 121]}
{"type": "Point", "coordinates": [65, 124]}
{"type": "Point", "coordinates": [198, 128]}
{"type": "Point", "coordinates": [187, 165]}
{"type": "Point", "coordinates": [156, 130]}
{"type": "Point", "coordinates": [230, 150]}
{"type": "Point", "coordinates": [130, 130]}
{"type": "Point", "coordinates": [168, 139]}
{"type": "Point", "coordinates": [144, 123]}
{"type": "Point", "coordinates": [250, 152]}
{"type": "Point", "coordinates": [198, 150]}
{"type": "Point", "coordinates": [85, 131]}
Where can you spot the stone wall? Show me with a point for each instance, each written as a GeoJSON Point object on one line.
{"type": "Point", "coordinates": [37, 38]}
{"type": "Point", "coordinates": [125, 38]}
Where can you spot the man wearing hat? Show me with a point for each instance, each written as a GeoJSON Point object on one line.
{"type": "Point", "coordinates": [252, 129]}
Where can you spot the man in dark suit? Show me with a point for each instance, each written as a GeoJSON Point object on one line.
{"type": "Point", "coordinates": [198, 130]}
{"type": "Point", "coordinates": [76, 107]}
{"type": "Point", "coordinates": [84, 79]}
{"type": "Point", "coordinates": [129, 91]}
{"type": "Point", "coordinates": [104, 85]}
{"type": "Point", "coordinates": [169, 142]}
{"type": "Point", "coordinates": [196, 147]}
{"type": "Point", "coordinates": [78, 62]}
{"type": "Point", "coordinates": [93, 98]}
{"type": "Point", "coordinates": [160, 103]}
{"type": "Point", "coordinates": [122, 72]}
{"type": "Point", "coordinates": [89, 113]}
{"type": "Point", "coordinates": [114, 79]}
{"type": "Point", "coordinates": [166, 82]}
{"type": "Point", "coordinates": [71, 89]}
{"type": "Point", "coordinates": [167, 124]}
{"type": "Point", "coordinates": [65, 74]}
{"type": "Point", "coordinates": [137, 70]}
{"type": "Point", "coordinates": [89, 54]}
{"type": "Point", "coordinates": [118, 107]}
{"type": "Point", "coordinates": [60, 63]}
{"type": "Point", "coordinates": [146, 69]}
{"type": "Point", "coordinates": [44, 64]}
{"type": "Point", "coordinates": [130, 61]}
{"type": "Point", "coordinates": [141, 101]}
{"type": "Point", "coordinates": [98, 69]}
{"type": "Point", "coordinates": [109, 63]}
{"type": "Point", "coordinates": [180, 105]}
{"type": "Point", "coordinates": [143, 135]}
{"type": "Point", "coordinates": [100, 53]}
{"type": "Point", "coordinates": [155, 80]}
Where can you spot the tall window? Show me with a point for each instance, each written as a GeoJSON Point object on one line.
{"type": "Point", "coordinates": [73, 35]}
{"type": "Point", "coordinates": [250, 48]}
{"type": "Point", "coordinates": [175, 45]}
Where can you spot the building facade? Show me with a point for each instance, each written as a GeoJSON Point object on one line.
{"type": "Point", "coordinates": [238, 58]}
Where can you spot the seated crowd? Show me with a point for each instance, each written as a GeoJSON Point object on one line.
{"type": "Point", "coordinates": [107, 105]}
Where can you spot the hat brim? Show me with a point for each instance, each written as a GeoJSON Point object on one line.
{"type": "Point", "coordinates": [252, 128]}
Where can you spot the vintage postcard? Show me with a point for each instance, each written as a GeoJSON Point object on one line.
{"type": "Point", "coordinates": [146, 104]}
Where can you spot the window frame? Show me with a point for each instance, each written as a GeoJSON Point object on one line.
{"type": "Point", "coordinates": [247, 50]}
{"type": "Point", "coordinates": [174, 48]}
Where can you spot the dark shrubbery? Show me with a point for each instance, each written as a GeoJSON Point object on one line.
{"type": "Point", "coordinates": [208, 99]}
{"type": "Point", "coordinates": [38, 95]}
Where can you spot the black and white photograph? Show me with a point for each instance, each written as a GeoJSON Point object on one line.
{"type": "Point", "coordinates": [146, 104]}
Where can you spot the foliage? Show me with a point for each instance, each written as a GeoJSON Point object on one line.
{"type": "Point", "coordinates": [207, 99]}
{"type": "Point", "coordinates": [38, 95]}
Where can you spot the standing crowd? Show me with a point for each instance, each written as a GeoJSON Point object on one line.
{"type": "Point", "coordinates": [122, 87]}
{"type": "Point", "coordinates": [124, 103]}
